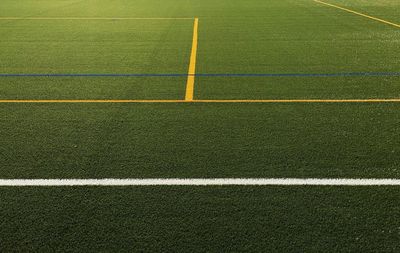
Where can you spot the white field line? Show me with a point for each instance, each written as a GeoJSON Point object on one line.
{"type": "Point", "coordinates": [202, 182]}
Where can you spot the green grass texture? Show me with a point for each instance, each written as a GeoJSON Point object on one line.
{"type": "Point", "coordinates": [203, 140]}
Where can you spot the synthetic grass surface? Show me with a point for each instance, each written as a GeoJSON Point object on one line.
{"type": "Point", "coordinates": [386, 9]}
{"type": "Point", "coordinates": [366, 87]}
{"type": "Point", "coordinates": [295, 37]}
{"type": "Point", "coordinates": [92, 88]}
{"type": "Point", "coordinates": [199, 140]}
{"type": "Point", "coordinates": [200, 219]}
{"type": "Point", "coordinates": [95, 46]}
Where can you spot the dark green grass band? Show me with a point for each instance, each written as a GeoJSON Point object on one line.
{"type": "Point", "coordinates": [220, 219]}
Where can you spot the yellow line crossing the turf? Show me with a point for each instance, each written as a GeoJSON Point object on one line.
{"type": "Point", "coordinates": [394, 100]}
{"type": "Point", "coordinates": [299, 101]}
{"type": "Point", "coordinates": [91, 18]}
{"type": "Point", "coordinates": [89, 101]}
{"type": "Point", "coordinates": [359, 13]}
{"type": "Point", "coordinates": [189, 94]}
{"type": "Point", "coordinates": [192, 64]}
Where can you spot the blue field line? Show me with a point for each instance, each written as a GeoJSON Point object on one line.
{"type": "Point", "coordinates": [348, 74]}
{"type": "Point", "coordinates": [307, 74]}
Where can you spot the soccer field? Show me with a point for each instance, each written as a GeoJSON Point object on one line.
{"type": "Point", "coordinates": [199, 126]}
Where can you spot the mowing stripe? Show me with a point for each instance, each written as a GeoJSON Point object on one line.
{"type": "Point", "coordinates": [394, 100]}
{"type": "Point", "coordinates": [359, 13]}
{"type": "Point", "coordinates": [93, 18]}
{"type": "Point", "coordinates": [343, 74]}
{"type": "Point", "coordinates": [203, 182]}
{"type": "Point", "coordinates": [192, 64]}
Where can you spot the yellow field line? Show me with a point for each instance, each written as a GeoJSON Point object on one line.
{"type": "Point", "coordinates": [90, 101]}
{"type": "Point", "coordinates": [91, 18]}
{"type": "Point", "coordinates": [192, 64]}
{"type": "Point", "coordinates": [359, 13]}
{"type": "Point", "coordinates": [298, 101]}
{"type": "Point", "coordinates": [394, 100]}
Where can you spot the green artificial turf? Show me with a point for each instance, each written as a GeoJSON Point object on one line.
{"type": "Point", "coordinates": [93, 88]}
{"type": "Point", "coordinates": [200, 219]}
{"type": "Point", "coordinates": [346, 140]}
{"type": "Point", "coordinates": [298, 87]}
{"type": "Point", "coordinates": [296, 37]}
{"type": "Point", "coordinates": [385, 9]}
{"type": "Point", "coordinates": [199, 140]}
{"type": "Point", "coordinates": [95, 46]}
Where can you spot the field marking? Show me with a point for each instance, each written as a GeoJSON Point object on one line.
{"type": "Point", "coordinates": [192, 63]}
{"type": "Point", "coordinates": [203, 182]}
{"type": "Point", "coordinates": [92, 18]}
{"type": "Point", "coordinates": [90, 101]}
{"type": "Point", "coordinates": [359, 13]}
{"type": "Point", "coordinates": [394, 100]}
{"type": "Point", "coordinates": [343, 74]}
{"type": "Point", "coordinates": [298, 101]}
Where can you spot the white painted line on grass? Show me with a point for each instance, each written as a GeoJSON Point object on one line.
{"type": "Point", "coordinates": [202, 182]}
